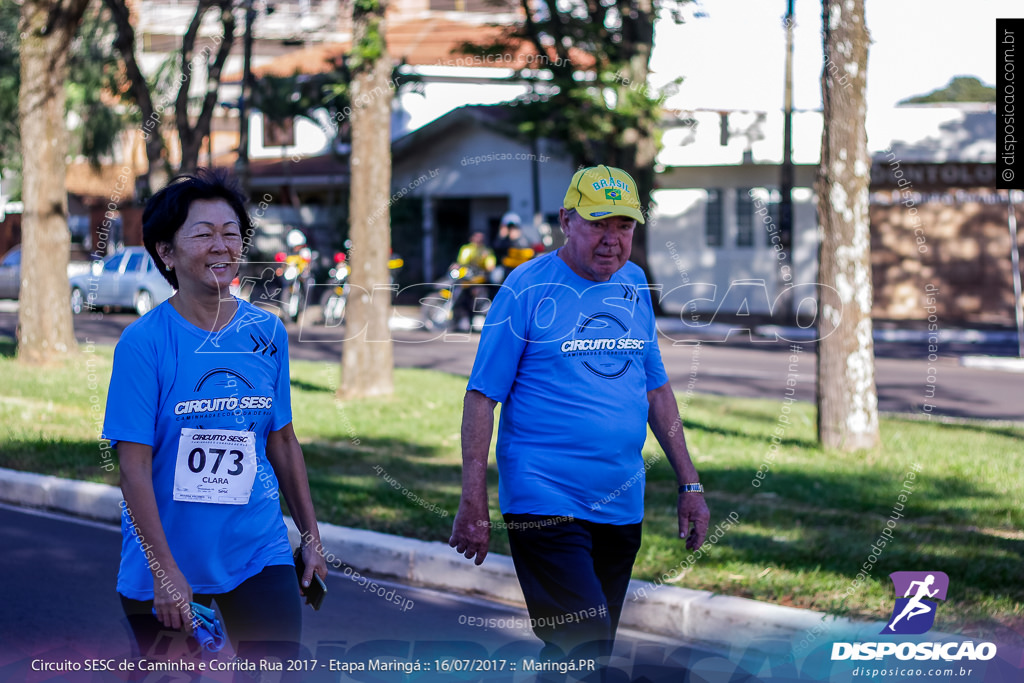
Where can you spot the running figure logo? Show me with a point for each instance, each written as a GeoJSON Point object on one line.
{"type": "Point", "coordinates": [913, 613]}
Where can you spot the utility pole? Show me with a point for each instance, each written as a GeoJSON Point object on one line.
{"type": "Point", "coordinates": [786, 180]}
{"type": "Point", "coordinates": [786, 172]}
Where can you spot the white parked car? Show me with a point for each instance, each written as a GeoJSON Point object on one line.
{"type": "Point", "coordinates": [126, 279]}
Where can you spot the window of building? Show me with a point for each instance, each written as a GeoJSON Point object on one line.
{"type": "Point", "coordinates": [713, 218]}
{"type": "Point", "coordinates": [764, 212]}
{"type": "Point", "coordinates": [744, 217]}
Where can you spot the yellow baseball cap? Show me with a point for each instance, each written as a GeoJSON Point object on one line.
{"type": "Point", "coordinates": [601, 191]}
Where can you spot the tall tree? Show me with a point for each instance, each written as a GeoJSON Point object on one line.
{"type": "Point", "coordinates": [91, 82]}
{"type": "Point", "coordinates": [846, 395]}
{"type": "Point", "coordinates": [139, 91]}
{"type": "Point", "coordinates": [366, 359]}
{"type": "Point", "coordinates": [191, 135]}
{"type": "Point", "coordinates": [959, 89]}
{"type": "Point", "coordinates": [611, 117]}
{"type": "Point", "coordinates": [154, 109]}
{"type": "Point", "coordinates": [47, 28]}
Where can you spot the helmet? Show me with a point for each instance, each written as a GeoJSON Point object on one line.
{"type": "Point", "coordinates": [511, 218]}
{"type": "Point", "coordinates": [295, 238]}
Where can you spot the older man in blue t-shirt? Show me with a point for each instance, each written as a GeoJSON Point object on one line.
{"type": "Point", "coordinates": [570, 350]}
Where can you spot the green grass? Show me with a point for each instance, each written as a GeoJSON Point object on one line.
{"type": "Point", "coordinates": [802, 535]}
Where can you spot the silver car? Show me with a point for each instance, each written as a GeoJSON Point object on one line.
{"type": "Point", "coordinates": [10, 270]}
{"type": "Point", "coordinates": [126, 279]}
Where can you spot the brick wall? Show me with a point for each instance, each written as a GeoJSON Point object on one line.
{"type": "Point", "coordinates": [962, 249]}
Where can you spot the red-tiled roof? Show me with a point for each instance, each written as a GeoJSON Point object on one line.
{"type": "Point", "coordinates": [424, 42]}
{"type": "Point", "coordinates": [110, 182]}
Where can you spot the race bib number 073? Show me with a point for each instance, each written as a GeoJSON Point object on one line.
{"type": "Point", "coordinates": [215, 466]}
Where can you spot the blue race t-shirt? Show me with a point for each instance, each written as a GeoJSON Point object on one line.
{"type": "Point", "coordinates": [170, 375]}
{"type": "Point", "coordinates": [571, 362]}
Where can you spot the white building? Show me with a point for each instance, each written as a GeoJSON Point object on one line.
{"type": "Point", "coordinates": [711, 242]}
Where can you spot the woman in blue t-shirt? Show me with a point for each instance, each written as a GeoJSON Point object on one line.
{"type": "Point", "coordinates": [200, 412]}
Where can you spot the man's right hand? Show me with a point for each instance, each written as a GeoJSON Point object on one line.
{"type": "Point", "coordinates": [471, 533]}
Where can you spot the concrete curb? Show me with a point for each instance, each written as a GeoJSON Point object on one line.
{"type": "Point", "coordinates": [673, 325]}
{"type": "Point", "coordinates": [81, 498]}
{"type": "Point", "coordinates": [664, 610]}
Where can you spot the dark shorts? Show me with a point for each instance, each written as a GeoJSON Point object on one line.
{"type": "Point", "coordinates": [262, 617]}
{"type": "Point", "coordinates": [574, 575]}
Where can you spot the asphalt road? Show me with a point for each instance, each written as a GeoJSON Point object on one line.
{"type": "Point", "coordinates": [60, 610]}
{"type": "Point", "coordinates": [906, 379]}
{"type": "Point", "coordinates": [60, 605]}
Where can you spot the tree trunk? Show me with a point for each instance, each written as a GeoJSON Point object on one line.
{"type": "Point", "coordinates": [634, 149]}
{"type": "Point", "coordinates": [366, 358]}
{"type": "Point", "coordinates": [192, 136]}
{"type": "Point", "coordinates": [846, 397]}
{"type": "Point", "coordinates": [44, 311]}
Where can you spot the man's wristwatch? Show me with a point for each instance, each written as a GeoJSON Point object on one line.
{"type": "Point", "coordinates": [691, 488]}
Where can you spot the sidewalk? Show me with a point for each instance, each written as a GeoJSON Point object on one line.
{"type": "Point", "coordinates": [665, 610]}
{"type": "Point", "coordinates": [883, 331]}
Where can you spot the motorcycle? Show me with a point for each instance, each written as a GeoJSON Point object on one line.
{"type": "Point", "coordinates": [294, 280]}
{"type": "Point", "coordinates": [440, 310]}
{"type": "Point", "coordinates": [335, 299]}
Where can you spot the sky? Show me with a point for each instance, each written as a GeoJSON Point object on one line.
{"type": "Point", "coordinates": [733, 57]}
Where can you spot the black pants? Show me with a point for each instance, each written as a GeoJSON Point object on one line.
{"type": "Point", "coordinates": [262, 617]}
{"type": "Point", "coordinates": [574, 575]}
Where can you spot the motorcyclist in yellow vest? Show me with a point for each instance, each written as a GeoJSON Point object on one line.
{"type": "Point", "coordinates": [476, 255]}
{"type": "Point", "coordinates": [511, 247]}
{"type": "Point", "coordinates": [478, 259]}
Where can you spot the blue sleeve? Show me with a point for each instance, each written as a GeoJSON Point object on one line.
{"type": "Point", "coordinates": [502, 342]}
{"type": "Point", "coordinates": [653, 365]}
{"type": "Point", "coordinates": [134, 394]}
{"type": "Point", "coordinates": [283, 387]}
{"type": "Point", "coordinates": [656, 375]}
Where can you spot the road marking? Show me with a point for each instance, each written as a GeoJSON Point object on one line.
{"type": "Point", "coordinates": [749, 374]}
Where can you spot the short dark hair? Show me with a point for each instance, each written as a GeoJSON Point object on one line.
{"type": "Point", "coordinates": [167, 210]}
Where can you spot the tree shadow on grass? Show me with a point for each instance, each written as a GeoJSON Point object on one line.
{"type": "Point", "coordinates": [690, 424]}
{"type": "Point", "coordinates": [83, 460]}
{"type": "Point", "coordinates": [942, 499]}
{"type": "Point", "coordinates": [767, 417]}
{"type": "Point", "coordinates": [392, 486]}
{"type": "Point", "coordinates": [303, 385]}
{"type": "Point", "coordinates": [850, 524]}
{"type": "Point", "coordinates": [8, 347]}
{"type": "Point", "coordinates": [1006, 430]}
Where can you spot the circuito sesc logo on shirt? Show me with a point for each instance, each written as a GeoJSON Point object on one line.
{"type": "Point", "coordinates": [223, 391]}
{"type": "Point", "coordinates": [604, 345]}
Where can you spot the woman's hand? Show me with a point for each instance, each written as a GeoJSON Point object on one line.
{"type": "Point", "coordinates": [171, 591]}
{"type": "Point", "coordinates": [171, 597]}
{"type": "Point", "coordinates": [313, 557]}
{"type": "Point", "coordinates": [285, 456]}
